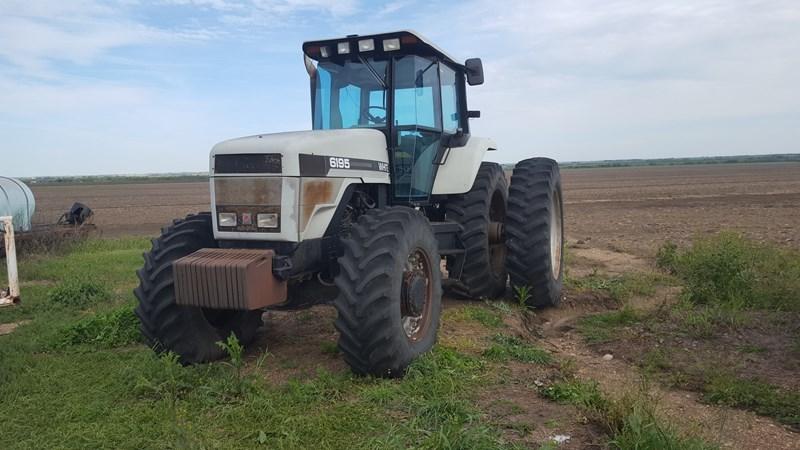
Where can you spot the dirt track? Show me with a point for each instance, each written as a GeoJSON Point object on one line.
{"type": "Point", "coordinates": [627, 209]}
{"type": "Point", "coordinates": [636, 209]}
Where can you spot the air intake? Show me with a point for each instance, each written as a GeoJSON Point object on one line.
{"type": "Point", "coordinates": [248, 163]}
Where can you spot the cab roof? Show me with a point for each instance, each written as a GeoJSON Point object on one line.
{"type": "Point", "coordinates": [384, 44]}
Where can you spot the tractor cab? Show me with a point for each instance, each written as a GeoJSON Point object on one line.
{"type": "Point", "coordinates": [405, 87]}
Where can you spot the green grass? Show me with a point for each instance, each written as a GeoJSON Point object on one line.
{"type": "Point", "coordinates": [77, 376]}
{"type": "Point", "coordinates": [631, 420]}
{"type": "Point", "coordinates": [604, 327]}
{"type": "Point", "coordinates": [705, 321]}
{"type": "Point", "coordinates": [755, 395]}
{"type": "Point", "coordinates": [622, 287]}
{"type": "Point", "coordinates": [731, 270]}
{"type": "Point", "coordinates": [108, 263]}
{"type": "Point", "coordinates": [726, 278]}
{"type": "Point", "coordinates": [486, 316]}
{"type": "Point", "coordinates": [77, 293]}
{"type": "Point", "coordinates": [505, 348]}
{"type": "Point", "coordinates": [656, 360]}
{"type": "Point", "coordinates": [114, 328]}
{"type": "Point", "coordinates": [576, 392]}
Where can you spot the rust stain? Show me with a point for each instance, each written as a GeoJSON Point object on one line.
{"type": "Point", "coordinates": [315, 192]}
{"type": "Point", "coordinates": [248, 190]}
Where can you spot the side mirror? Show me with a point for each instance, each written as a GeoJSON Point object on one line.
{"type": "Point", "coordinates": [474, 71]}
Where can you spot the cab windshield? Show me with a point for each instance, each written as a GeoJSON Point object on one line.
{"type": "Point", "coordinates": [353, 93]}
{"type": "Point", "coordinates": [350, 94]}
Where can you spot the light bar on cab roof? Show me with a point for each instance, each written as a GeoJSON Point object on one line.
{"type": "Point", "coordinates": [376, 44]}
{"type": "Point", "coordinates": [390, 45]}
{"type": "Point", "coordinates": [366, 45]}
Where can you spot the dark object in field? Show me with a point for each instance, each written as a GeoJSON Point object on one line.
{"type": "Point", "coordinates": [74, 225]}
{"type": "Point", "coordinates": [78, 214]}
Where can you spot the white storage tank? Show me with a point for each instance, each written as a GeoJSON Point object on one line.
{"type": "Point", "coordinates": [16, 200]}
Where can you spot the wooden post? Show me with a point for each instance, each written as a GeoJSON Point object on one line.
{"type": "Point", "coordinates": [10, 296]}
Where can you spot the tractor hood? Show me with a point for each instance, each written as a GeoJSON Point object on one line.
{"type": "Point", "coordinates": [335, 153]}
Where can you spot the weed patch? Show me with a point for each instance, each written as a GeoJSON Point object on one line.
{"type": "Point", "coordinates": [78, 293]}
{"type": "Point", "coordinates": [107, 329]}
{"type": "Point", "coordinates": [728, 269]}
{"type": "Point", "coordinates": [506, 347]}
{"type": "Point", "coordinates": [635, 425]}
{"type": "Point", "coordinates": [762, 398]}
{"type": "Point", "coordinates": [603, 327]}
{"type": "Point", "coordinates": [630, 420]}
{"type": "Point", "coordinates": [577, 392]}
{"type": "Point", "coordinates": [623, 287]}
{"type": "Point", "coordinates": [705, 321]}
{"type": "Point", "coordinates": [489, 318]}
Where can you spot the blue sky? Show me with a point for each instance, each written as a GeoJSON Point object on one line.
{"type": "Point", "coordinates": [127, 86]}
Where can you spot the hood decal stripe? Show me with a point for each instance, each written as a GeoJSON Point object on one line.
{"type": "Point", "coordinates": [320, 165]}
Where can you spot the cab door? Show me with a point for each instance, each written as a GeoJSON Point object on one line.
{"type": "Point", "coordinates": [416, 127]}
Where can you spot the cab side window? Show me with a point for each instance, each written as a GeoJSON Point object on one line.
{"type": "Point", "coordinates": [450, 110]}
{"type": "Point", "coordinates": [417, 124]}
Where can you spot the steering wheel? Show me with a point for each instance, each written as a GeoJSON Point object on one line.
{"type": "Point", "coordinates": [375, 119]}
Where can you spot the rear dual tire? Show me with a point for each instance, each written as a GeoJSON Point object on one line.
{"type": "Point", "coordinates": [482, 266]}
{"type": "Point", "coordinates": [534, 231]}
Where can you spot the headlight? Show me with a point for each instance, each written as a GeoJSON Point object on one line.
{"type": "Point", "coordinates": [268, 220]}
{"type": "Point", "coordinates": [226, 219]}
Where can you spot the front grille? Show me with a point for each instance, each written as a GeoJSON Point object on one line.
{"type": "Point", "coordinates": [250, 196]}
{"type": "Point", "coordinates": [248, 163]}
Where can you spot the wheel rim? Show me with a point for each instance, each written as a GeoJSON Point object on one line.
{"type": "Point", "coordinates": [555, 233]}
{"type": "Point", "coordinates": [417, 291]}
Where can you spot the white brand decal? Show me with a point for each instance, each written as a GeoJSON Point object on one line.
{"type": "Point", "coordinates": [339, 163]}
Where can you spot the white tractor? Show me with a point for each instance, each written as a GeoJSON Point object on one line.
{"type": "Point", "coordinates": [360, 211]}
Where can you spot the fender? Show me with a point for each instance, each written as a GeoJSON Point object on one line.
{"type": "Point", "coordinates": [460, 166]}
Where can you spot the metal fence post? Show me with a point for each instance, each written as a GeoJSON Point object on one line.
{"type": "Point", "coordinates": [12, 295]}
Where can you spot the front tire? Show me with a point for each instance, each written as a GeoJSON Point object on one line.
{"type": "Point", "coordinates": [535, 231]}
{"type": "Point", "coordinates": [191, 332]}
{"type": "Point", "coordinates": [390, 293]}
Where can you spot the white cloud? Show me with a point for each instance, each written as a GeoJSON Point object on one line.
{"type": "Point", "coordinates": [36, 35]}
{"type": "Point", "coordinates": [591, 80]}
{"type": "Point", "coordinates": [572, 79]}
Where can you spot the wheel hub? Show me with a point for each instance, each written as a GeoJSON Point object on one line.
{"type": "Point", "coordinates": [497, 233]}
{"type": "Point", "coordinates": [415, 293]}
